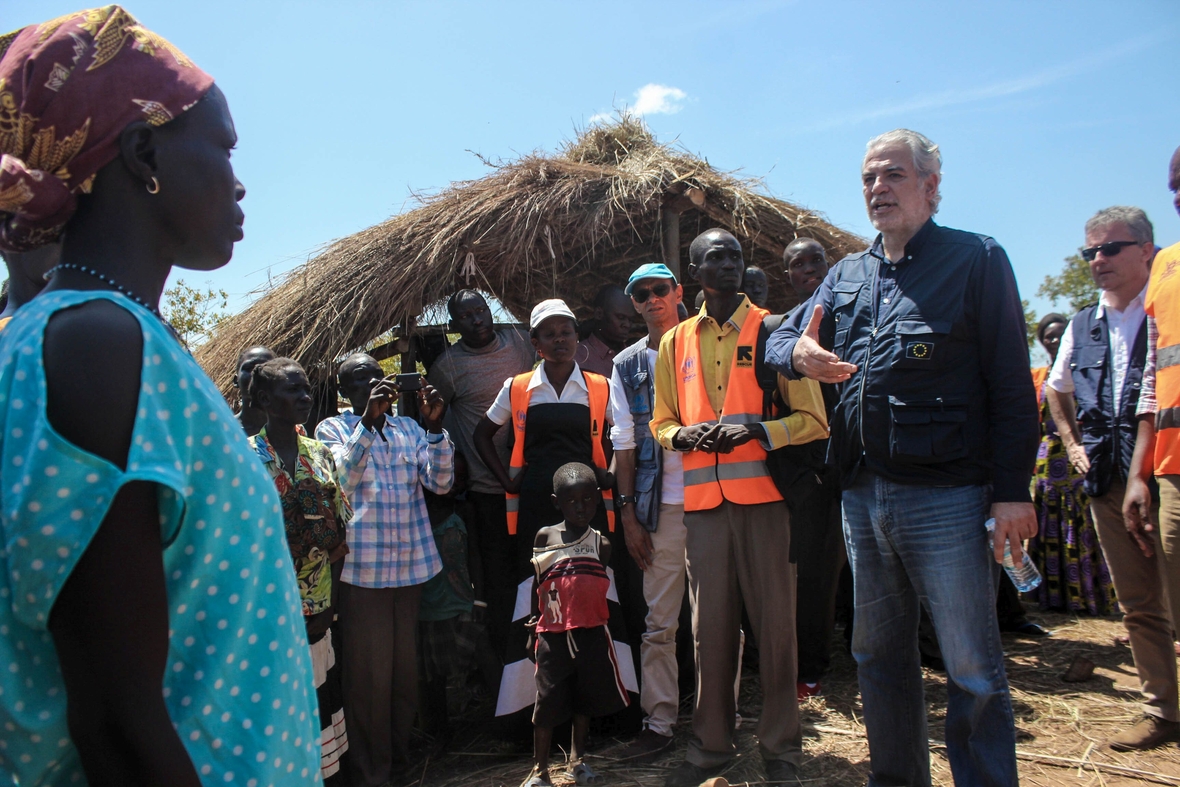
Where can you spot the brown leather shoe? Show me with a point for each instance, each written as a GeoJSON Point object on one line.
{"type": "Point", "coordinates": [646, 746]}
{"type": "Point", "coordinates": [1149, 732]}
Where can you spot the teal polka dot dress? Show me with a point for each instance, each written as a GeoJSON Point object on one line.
{"type": "Point", "coordinates": [238, 681]}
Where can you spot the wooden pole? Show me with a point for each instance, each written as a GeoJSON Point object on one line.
{"type": "Point", "coordinates": [670, 221]}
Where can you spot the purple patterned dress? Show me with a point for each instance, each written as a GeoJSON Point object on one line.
{"type": "Point", "coordinates": [1065, 548]}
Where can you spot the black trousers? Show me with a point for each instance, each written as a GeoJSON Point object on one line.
{"type": "Point", "coordinates": [497, 555]}
{"type": "Point", "coordinates": [819, 551]}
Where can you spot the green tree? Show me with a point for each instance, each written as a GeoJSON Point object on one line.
{"type": "Point", "coordinates": [194, 313]}
{"type": "Point", "coordinates": [1030, 321]}
{"type": "Point", "coordinates": [1074, 284]}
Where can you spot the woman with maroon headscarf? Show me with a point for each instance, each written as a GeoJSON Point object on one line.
{"type": "Point", "coordinates": [149, 616]}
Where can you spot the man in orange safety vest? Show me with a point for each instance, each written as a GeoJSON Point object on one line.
{"type": "Point", "coordinates": [709, 406]}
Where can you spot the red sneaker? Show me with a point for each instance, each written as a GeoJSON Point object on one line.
{"type": "Point", "coordinates": [805, 690]}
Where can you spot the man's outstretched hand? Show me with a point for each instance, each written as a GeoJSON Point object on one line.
{"type": "Point", "coordinates": [813, 361]}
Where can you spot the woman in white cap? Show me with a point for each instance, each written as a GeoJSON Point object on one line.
{"type": "Point", "coordinates": [559, 414]}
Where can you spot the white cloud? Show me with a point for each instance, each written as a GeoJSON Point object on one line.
{"type": "Point", "coordinates": [599, 118]}
{"type": "Point", "coordinates": [653, 99]}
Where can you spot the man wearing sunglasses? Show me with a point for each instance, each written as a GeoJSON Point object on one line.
{"type": "Point", "coordinates": [1093, 393]}
{"type": "Point", "coordinates": [651, 500]}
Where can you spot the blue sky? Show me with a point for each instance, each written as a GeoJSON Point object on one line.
{"type": "Point", "coordinates": [1046, 112]}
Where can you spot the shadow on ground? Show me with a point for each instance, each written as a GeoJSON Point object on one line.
{"type": "Point", "coordinates": [1058, 724]}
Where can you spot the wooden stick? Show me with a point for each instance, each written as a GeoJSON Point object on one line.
{"type": "Point", "coordinates": [1069, 762]}
{"type": "Point", "coordinates": [1085, 756]}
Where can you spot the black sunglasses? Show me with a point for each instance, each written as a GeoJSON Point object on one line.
{"type": "Point", "coordinates": [661, 290]}
{"type": "Point", "coordinates": [1107, 249]}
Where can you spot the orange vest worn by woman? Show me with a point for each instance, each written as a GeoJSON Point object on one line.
{"type": "Point", "coordinates": [740, 476]}
{"type": "Point", "coordinates": [598, 392]}
{"type": "Point", "coordinates": [1163, 303]}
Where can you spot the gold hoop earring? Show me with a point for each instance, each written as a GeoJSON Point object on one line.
{"type": "Point", "coordinates": [155, 187]}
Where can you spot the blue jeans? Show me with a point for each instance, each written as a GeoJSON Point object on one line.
{"type": "Point", "coordinates": [911, 544]}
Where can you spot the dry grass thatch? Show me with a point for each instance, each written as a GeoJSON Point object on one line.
{"type": "Point", "coordinates": [538, 227]}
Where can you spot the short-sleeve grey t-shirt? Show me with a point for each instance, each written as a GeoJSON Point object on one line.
{"type": "Point", "coordinates": [469, 380]}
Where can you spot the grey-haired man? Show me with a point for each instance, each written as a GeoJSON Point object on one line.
{"type": "Point", "coordinates": [935, 432]}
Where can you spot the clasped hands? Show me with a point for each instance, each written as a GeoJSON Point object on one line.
{"type": "Point", "coordinates": [715, 438]}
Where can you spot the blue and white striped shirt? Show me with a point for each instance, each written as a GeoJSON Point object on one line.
{"type": "Point", "coordinates": [391, 542]}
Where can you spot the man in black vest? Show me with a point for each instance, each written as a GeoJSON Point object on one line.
{"type": "Point", "coordinates": [1093, 392]}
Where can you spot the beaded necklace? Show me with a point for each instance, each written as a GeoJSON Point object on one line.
{"type": "Point", "coordinates": [70, 266]}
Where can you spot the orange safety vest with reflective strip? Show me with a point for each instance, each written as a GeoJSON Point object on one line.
{"type": "Point", "coordinates": [1163, 303]}
{"type": "Point", "coordinates": [740, 476]}
{"type": "Point", "coordinates": [599, 393]}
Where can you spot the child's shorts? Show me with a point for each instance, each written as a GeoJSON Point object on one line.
{"type": "Point", "coordinates": [577, 672]}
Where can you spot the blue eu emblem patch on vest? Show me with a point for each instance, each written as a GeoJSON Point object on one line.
{"type": "Point", "coordinates": [919, 351]}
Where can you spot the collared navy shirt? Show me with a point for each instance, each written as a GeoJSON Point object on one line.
{"type": "Point", "coordinates": [942, 395]}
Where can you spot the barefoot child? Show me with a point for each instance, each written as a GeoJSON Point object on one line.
{"type": "Point", "coordinates": [577, 672]}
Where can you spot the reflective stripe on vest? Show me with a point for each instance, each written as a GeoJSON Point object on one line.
{"type": "Point", "coordinates": [1163, 303]}
{"type": "Point", "coordinates": [740, 476]}
{"type": "Point", "coordinates": [598, 393]}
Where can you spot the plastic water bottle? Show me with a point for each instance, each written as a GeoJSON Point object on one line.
{"type": "Point", "coordinates": [1025, 576]}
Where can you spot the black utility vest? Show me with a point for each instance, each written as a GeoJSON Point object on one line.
{"type": "Point", "coordinates": [1108, 427]}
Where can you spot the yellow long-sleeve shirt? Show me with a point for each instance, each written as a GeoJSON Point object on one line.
{"type": "Point", "coordinates": [806, 422]}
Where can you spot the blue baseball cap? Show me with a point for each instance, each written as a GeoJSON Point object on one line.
{"type": "Point", "coordinates": [649, 270]}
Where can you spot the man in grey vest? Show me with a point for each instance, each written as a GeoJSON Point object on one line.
{"type": "Point", "coordinates": [651, 495]}
{"type": "Point", "coordinates": [1093, 392]}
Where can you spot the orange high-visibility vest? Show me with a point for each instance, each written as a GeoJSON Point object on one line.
{"type": "Point", "coordinates": [599, 391]}
{"type": "Point", "coordinates": [1163, 303]}
{"type": "Point", "coordinates": [740, 476]}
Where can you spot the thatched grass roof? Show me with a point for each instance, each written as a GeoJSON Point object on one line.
{"type": "Point", "coordinates": [538, 227]}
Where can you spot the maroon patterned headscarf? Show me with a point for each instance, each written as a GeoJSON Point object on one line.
{"type": "Point", "coordinates": [68, 88]}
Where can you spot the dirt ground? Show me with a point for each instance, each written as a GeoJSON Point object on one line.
{"type": "Point", "coordinates": [1059, 726]}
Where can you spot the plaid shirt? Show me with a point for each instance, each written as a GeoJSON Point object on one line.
{"type": "Point", "coordinates": [390, 535]}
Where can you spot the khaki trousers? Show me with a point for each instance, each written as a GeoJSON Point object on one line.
{"type": "Point", "coordinates": [663, 590]}
{"type": "Point", "coordinates": [740, 553]}
{"type": "Point", "coordinates": [1169, 530]}
{"type": "Point", "coordinates": [1143, 594]}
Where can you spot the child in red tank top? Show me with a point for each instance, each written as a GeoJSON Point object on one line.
{"type": "Point", "coordinates": [577, 671]}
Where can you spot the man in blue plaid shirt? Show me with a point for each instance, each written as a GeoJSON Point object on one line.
{"type": "Point", "coordinates": [385, 461]}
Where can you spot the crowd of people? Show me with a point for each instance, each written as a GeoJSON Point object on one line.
{"type": "Point", "coordinates": [196, 596]}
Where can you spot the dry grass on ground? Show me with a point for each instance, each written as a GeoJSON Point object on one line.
{"type": "Point", "coordinates": [1059, 726]}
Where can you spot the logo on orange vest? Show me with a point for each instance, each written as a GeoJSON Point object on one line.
{"type": "Point", "coordinates": [520, 419]}
{"type": "Point", "coordinates": [919, 351]}
{"type": "Point", "coordinates": [1170, 269]}
{"type": "Point", "coordinates": [688, 370]}
{"type": "Point", "coordinates": [745, 356]}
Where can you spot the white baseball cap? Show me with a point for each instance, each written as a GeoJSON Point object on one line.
{"type": "Point", "coordinates": [553, 307]}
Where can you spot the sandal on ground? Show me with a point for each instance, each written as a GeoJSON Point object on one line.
{"type": "Point", "coordinates": [583, 774]}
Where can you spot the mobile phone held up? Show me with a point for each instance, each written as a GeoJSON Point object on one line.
{"type": "Point", "coordinates": [408, 382]}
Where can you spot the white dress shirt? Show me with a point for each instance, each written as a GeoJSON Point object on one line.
{"type": "Point", "coordinates": [574, 392]}
{"type": "Point", "coordinates": [622, 436]}
{"type": "Point", "coordinates": [1122, 328]}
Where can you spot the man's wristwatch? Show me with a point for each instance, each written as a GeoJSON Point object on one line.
{"type": "Point", "coordinates": [622, 500]}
